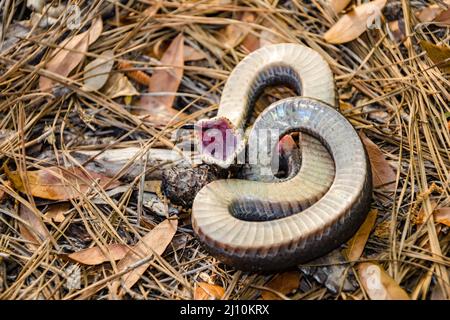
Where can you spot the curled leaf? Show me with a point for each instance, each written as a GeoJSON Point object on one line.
{"type": "Point", "coordinates": [96, 72]}
{"type": "Point", "coordinates": [234, 33]}
{"type": "Point", "coordinates": [378, 284]}
{"type": "Point", "coordinates": [442, 215]}
{"type": "Point", "coordinates": [351, 25]}
{"type": "Point", "coordinates": [192, 54]}
{"type": "Point", "coordinates": [118, 85]}
{"type": "Point", "coordinates": [206, 291]}
{"type": "Point", "coordinates": [428, 14]}
{"type": "Point", "coordinates": [56, 212]}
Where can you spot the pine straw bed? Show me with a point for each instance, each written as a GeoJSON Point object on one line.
{"type": "Point", "coordinates": [396, 97]}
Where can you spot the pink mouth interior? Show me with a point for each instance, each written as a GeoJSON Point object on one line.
{"type": "Point", "coordinates": [218, 139]}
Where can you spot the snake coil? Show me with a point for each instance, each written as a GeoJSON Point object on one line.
{"type": "Point", "coordinates": [278, 223]}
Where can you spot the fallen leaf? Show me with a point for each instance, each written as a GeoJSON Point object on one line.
{"type": "Point", "coordinates": [251, 42]}
{"type": "Point", "coordinates": [383, 175]}
{"type": "Point", "coordinates": [397, 29]}
{"type": "Point", "coordinates": [440, 55]}
{"type": "Point", "coordinates": [284, 283]}
{"type": "Point", "coordinates": [118, 85]}
{"type": "Point", "coordinates": [165, 80]}
{"type": "Point", "coordinates": [206, 291]}
{"type": "Point", "coordinates": [267, 38]}
{"type": "Point", "coordinates": [34, 230]}
{"type": "Point", "coordinates": [56, 212]}
{"type": "Point", "coordinates": [156, 241]}
{"type": "Point", "coordinates": [234, 33]}
{"type": "Point", "coordinates": [56, 183]}
{"type": "Point", "coordinates": [356, 245]}
{"type": "Point", "coordinates": [378, 284]}
{"type": "Point", "coordinates": [444, 16]}
{"type": "Point", "coordinates": [96, 72]}
{"type": "Point", "coordinates": [69, 54]}
{"type": "Point", "coordinates": [351, 25]}
{"type": "Point", "coordinates": [191, 54]}
{"type": "Point", "coordinates": [345, 106]}
{"type": "Point", "coordinates": [442, 215]}
{"type": "Point", "coordinates": [422, 216]}
{"type": "Point", "coordinates": [339, 5]}
{"type": "Point", "coordinates": [94, 256]}
{"type": "Point", "coordinates": [428, 14]}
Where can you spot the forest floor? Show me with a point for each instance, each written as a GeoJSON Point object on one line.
{"type": "Point", "coordinates": [86, 133]}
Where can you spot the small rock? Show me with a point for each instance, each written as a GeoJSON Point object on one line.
{"type": "Point", "coordinates": [181, 185]}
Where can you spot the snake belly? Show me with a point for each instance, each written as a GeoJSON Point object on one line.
{"type": "Point", "coordinates": [268, 226]}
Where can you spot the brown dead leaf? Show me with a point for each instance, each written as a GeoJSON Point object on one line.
{"type": "Point", "coordinates": [356, 245]}
{"type": "Point", "coordinates": [34, 230]}
{"type": "Point", "coordinates": [440, 55]}
{"type": "Point", "coordinates": [421, 217]}
{"type": "Point", "coordinates": [96, 73]}
{"type": "Point", "coordinates": [94, 256]}
{"type": "Point", "coordinates": [351, 25]}
{"type": "Point", "coordinates": [378, 284]}
{"type": "Point", "coordinates": [118, 85]}
{"type": "Point", "coordinates": [267, 38]}
{"type": "Point", "coordinates": [56, 183]}
{"type": "Point", "coordinates": [428, 14]}
{"type": "Point", "coordinates": [191, 54]}
{"type": "Point", "coordinates": [165, 80]}
{"type": "Point", "coordinates": [206, 291]}
{"type": "Point", "coordinates": [63, 61]}
{"type": "Point", "coordinates": [56, 212]}
{"type": "Point", "coordinates": [156, 241]}
{"type": "Point", "coordinates": [444, 16]}
{"type": "Point", "coordinates": [442, 215]}
{"type": "Point", "coordinates": [234, 33]}
{"type": "Point", "coordinates": [339, 5]}
{"type": "Point", "coordinates": [284, 283]}
{"type": "Point", "coordinates": [251, 42]}
{"type": "Point", "coordinates": [383, 175]}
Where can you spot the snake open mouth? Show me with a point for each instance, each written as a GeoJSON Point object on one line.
{"type": "Point", "coordinates": [218, 141]}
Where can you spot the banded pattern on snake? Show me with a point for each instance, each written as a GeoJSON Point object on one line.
{"type": "Point", "coordinates": [260, 225]}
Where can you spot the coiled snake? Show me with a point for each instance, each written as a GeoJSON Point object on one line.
{"type": "Point", "coordinates": [278, 223]}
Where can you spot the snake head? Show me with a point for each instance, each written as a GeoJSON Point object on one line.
{"type": "Point", "coordinates": [218, 141]}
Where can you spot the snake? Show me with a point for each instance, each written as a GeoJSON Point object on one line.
{"type": "Point", "coordinates": [281, 222]}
